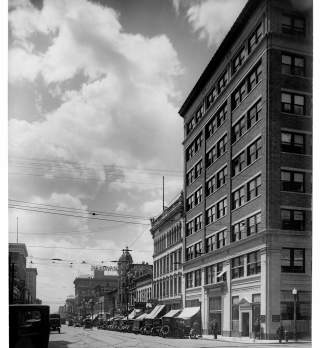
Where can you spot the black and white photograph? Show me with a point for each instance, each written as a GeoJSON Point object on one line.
{"type": "Point", "coordinates": [160, 168]}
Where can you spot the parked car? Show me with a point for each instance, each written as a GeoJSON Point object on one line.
{"type": "Point", "coordinates": [28, 326]}
{"type": "Point", "coordinates": [55, 322]}
{"type": "Point", "coordinates": [87, 324]}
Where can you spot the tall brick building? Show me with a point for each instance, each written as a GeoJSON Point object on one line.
{"type": "Point", "coordinates": [248, 162]}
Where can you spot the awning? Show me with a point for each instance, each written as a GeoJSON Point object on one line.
{"type": "Point", "coordinates": [141, 317]}
{"type": "Point", "coordinates": [172, 313]}
{"type": "Point", "coordinates": [188, 312]}
{"type": "Point", "coordinates": [134, 313]}
{"type": "Point", "coordinates": [155, 312]}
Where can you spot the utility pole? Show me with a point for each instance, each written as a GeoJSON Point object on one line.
{"type": "Point", "coordinates": [163, 193]}
{"type": "Point", "coordinates": [17, 229]}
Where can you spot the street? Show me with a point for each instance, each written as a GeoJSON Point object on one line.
{"type": "Point", "coordinates": [75, 337]}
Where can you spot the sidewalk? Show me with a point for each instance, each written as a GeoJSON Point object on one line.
{"type": "Point", "coordinates": [249, 340]}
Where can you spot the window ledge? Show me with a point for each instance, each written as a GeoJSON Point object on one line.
{"type": "Point", "coordinates": [251, 200]}
{"type": "Point", "coordinates": [247, 131]}
{"type": "Point", "coordinates": [295, 115]}
{"type": "Point", "coordinates": [237, 107]}
{"type": "Point", "coordinates": [244, 169]}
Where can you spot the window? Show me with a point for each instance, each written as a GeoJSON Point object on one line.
{"type": "Point", "coordinates": [198, 196]}
{"type": "Point", "coordinates": [292, 260]}
{"type": "Point", "coordinates": [238, 163]}
{"type": "Point", "coordinates": [292, 142]}
{"type": "Point", "coordinates": [221, 274]}
{"type": "Point", "coordinates": [238, 95]}
{"type": "Point", "coordinates": [221, 239]}
{"type": "Point", "coordinates": [222, 115]}
{"type": "Point", "coordinates": [197, 277]}
{"type": "Point", "coordinates": [210, 243]}
{"type": "Point", "coordinates": [198, 223]}
{"type": "Point", "coordinates": [189, 253]}
{"type": "Point", "coordinates": [238, 198]}
{"type": "Point", "coordinates": [237, 267]}
{"type": "Point", "coordinates": [194, 147]}
{"type": "Point", "coordinates": [210, 215]}
{"type": "Point", "coordinates": [255, 76]}
{"type": "Point", "coordinates": [222, 146]}
{"type": "Point", "coordinates": [255, 38]}
{"type": "Point", "coordinates": [199, 113]}
{"type": "Point", "coordinates": [221, 177]}
{"type": "Point", "coordinates": [210, 186]}
{"type": "Point", "coordinates": [292, 181]}
{"type": "Point", "coordinates": [190, 202]}
{"type": "Point", "coordinates": [292, 64]}
{"type": "Point", "coordinates": [254, 114]}
{"type": "Point", "coordinates": [222, 208]}
{"type": "Point", "coordinates": [197, 169]}
{"type": "Point", "coordinates": [238, 60]}
{"type": "Point", "coordinates": [254, 151]}
{"type": "Point", "coordinates": [190, 177]}
{"type": "Point", "coordinates": [238, 231]}
{"type": "Point", "coordinates": [254, 188]}
{"type": "Point", "coordinates": [211, 97]}
{"type": "Point", "coordinates": [190, 125]}
{"type": "Point", "coordinates": [211, 127]}
{"type": "Point", "coordinates": [198, 249]}
{"type": "Point", "coordinates": [235, 313]}
{"type": "Point", "coordinates": [253, 263]}
{"type": "Point", "coordinates": [211, 156]}
{"type": "Point", "coordinates": [293, 25]}
{"type": "Point", "coordinates": [292, 219]}
{"type": "Point", "coordinates": [189, 228]}
{"type": "Point", "coordinates": [223, 82]}
{"type": "Point", "coordinates": [303, 306]}
{"type": "Point", "coordinates": [210, 274]}
{"type": "Point", "coordinates": [189, 280]}
{"type": "Point", "coordinates": [253, 224]}
{"type": "Point", "coordinates": [293, 103]}
{"type": "Point", "coordinates": [238, 129]}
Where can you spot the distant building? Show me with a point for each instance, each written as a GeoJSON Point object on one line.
{"type": "Point", "coordinates": [129, 273]}
{"type": "Point", "coordinates": [31, 284]}
{"type": "Point", "coordinates": [143, 288]}
{"type": "Point", "coordinates": [88, 289]}
{"type": "Point", "coordinates": [70, 306]}
{"type": "Point", "coordinates": [17, 273]}
{"type": "Point", "coordinates": [248, 175]}
{"type": "Point", "coordinates": [167, 234]}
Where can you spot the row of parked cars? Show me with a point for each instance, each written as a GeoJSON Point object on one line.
{"type": "Point", "coordinates": [171, 324]}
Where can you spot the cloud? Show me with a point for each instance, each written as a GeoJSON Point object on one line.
{"type": "Point", "coordinates": [114, 110]}
{"type": "Point", "coordinates": [211, 19]}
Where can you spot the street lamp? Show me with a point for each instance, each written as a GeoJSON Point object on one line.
{"type": "Point", "coordinates": [294, 293]}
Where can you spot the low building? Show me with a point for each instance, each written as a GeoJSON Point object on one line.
{"type": "Point", "coordinates": [166, 232]}
{"type": "Point", "coordinates": [143, 288]}
{"type": "Point", "coordinates": [17, 273]}
{"type": "Point", "coordinates": [88, 289]}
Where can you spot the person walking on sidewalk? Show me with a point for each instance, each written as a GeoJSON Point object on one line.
{"type": "Point", "coordinates": [215, 329]}
{"type": "Point", "coordinates": [280, 333]}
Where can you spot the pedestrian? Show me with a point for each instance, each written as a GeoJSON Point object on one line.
{"type": "Point", "coordinates": [215, 329]}
{"type": "Point", "coordinates": [280, 333]}
{"type": "Point", "coordinates": [256, 329]}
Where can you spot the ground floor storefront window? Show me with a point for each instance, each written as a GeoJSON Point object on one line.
{"type": "Point", "coordinates": [235, 315]}
{"type": "Point", "coordinates": [215, 314]}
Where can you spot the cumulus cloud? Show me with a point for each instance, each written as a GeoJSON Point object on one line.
{"type": "Point", "coordinates": [211, 19]}
{"type": "Point", "coordinates": [120, 115]}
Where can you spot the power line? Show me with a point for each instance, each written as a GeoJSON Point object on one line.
{"type": "Point", "coordinates": [12, 206]}
{"type": "Point", "coordinates": [65, 208]}
{"type": "Point", "coordinates": [78, 248]}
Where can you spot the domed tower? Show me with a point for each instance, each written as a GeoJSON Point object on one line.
{"type": "Point", "coordinates": [124, 265]}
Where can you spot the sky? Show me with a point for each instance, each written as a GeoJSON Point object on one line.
{"type": "Point", "coordinates": [94, 92]}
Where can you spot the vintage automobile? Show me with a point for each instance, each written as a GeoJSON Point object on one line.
{"type": "Point", "coordinates": [156, 327]}
{"type": "Point", "coordinates": [55, 322]}
{"type": "Point", "coordinates": [169, 324]}
{"type": "Point", "coordinates": [28, 326]}
{"type": "Point", "coordinates": [188, 322]}
{"type": "Point", "coordinates": [87, 323]}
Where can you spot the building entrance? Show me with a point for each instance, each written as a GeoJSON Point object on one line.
{"type": "Point", "coordinates": [245, 324]}
{"type": "Point", "coordinates": [215, 313]}
{"type": "Point", "coordinates": [212, 318]}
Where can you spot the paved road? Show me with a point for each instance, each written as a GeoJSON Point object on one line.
{"type": "Point", "coordinates": [75, 337]}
